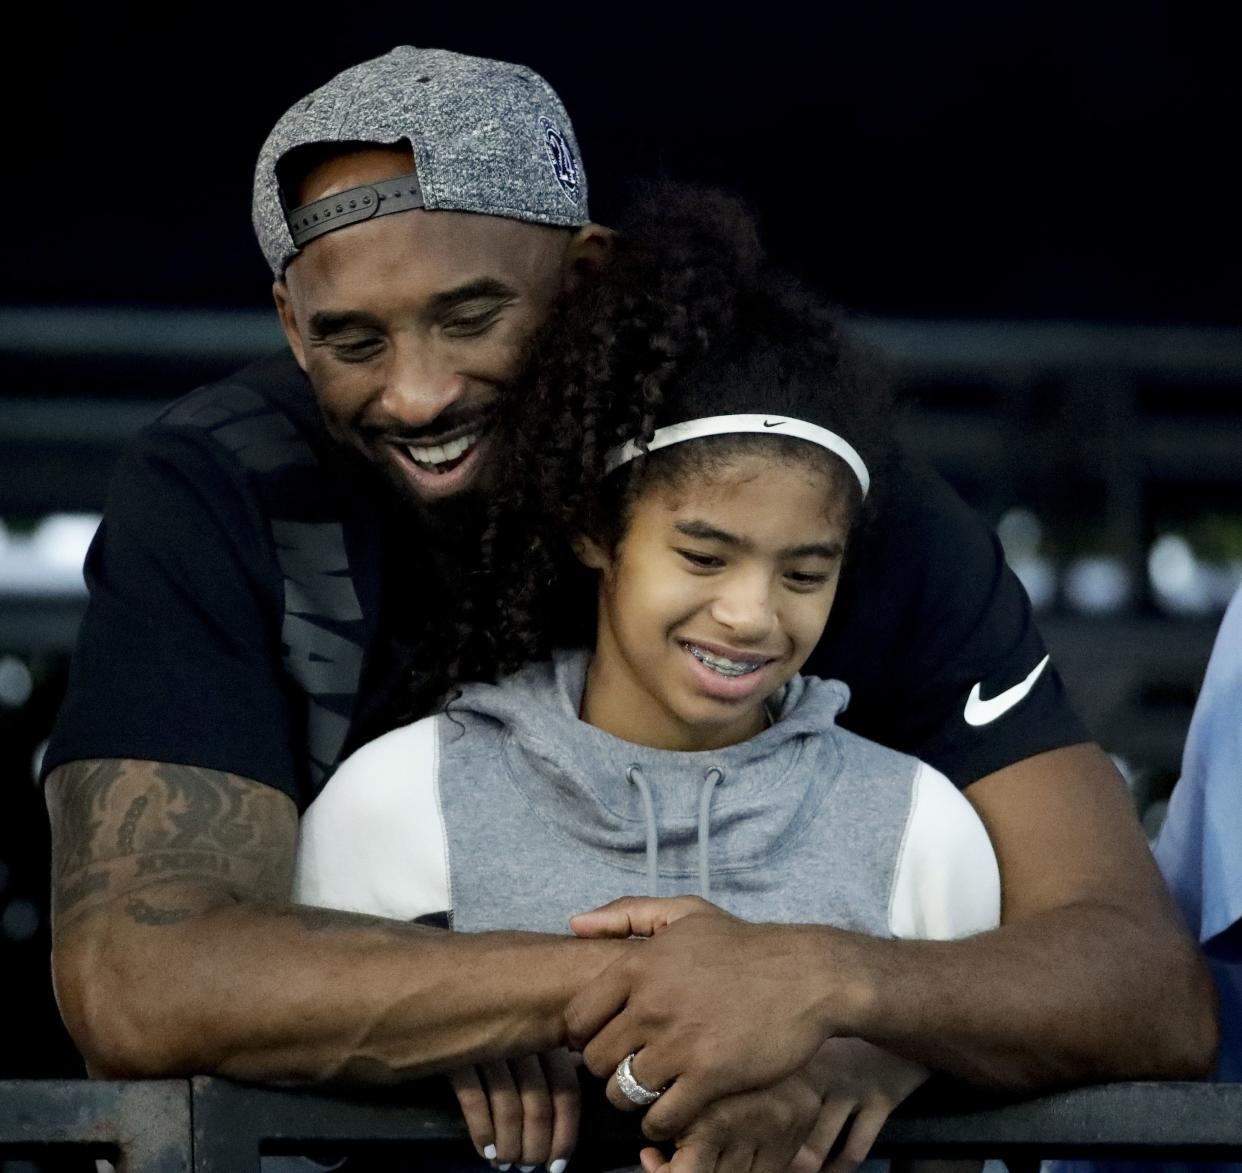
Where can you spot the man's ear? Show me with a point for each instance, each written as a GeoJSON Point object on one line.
{"type": "Point", "coordinates": [588, 253]}
{"type": "Point", "coordinates": [288, 323]}
{"type": "Point", "coordinates": [589, 552]}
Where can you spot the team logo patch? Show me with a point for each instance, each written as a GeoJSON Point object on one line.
{"type": "Point", "coordinates": [561, 156]}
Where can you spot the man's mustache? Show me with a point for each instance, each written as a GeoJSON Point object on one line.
{"type": "Point", "coordinates": [455, 418]}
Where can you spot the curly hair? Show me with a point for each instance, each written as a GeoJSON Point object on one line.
{"type": "Point", "coordinates": [686, 321]}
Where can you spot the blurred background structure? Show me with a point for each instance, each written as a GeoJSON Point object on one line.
{"type": "Point", "coordinates": [1030, 209]}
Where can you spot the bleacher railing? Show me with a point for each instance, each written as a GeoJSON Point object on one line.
{"type": "Point", "coordinates": [209, 1125]}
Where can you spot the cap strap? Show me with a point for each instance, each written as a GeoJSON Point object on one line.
{"type": "Point", "coordinates": [399, 194]}
{"type": "Point", "coordinates": [721, 425]}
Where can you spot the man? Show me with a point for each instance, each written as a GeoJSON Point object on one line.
{"type": "Point", "coordinates": [271, 550]}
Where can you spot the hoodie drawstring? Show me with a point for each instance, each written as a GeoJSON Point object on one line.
{"type": "Point", "coordinates": [711, 779]}
{"type": "Point", "coordinates": [634, 775]}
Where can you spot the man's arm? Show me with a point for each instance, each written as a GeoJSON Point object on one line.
{"type": "Point", "coordinates": [176, 950]}
{"type": "Point", "coordinates": [1092, 974]}
{"type": "Point", "coordinates": [1089, 977]}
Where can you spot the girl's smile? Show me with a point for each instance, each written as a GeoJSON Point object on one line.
{"type": "Point", "coordinates": [729, 677]}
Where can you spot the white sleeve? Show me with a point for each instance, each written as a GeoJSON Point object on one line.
{"type": "Point", "coordinates": [947, 883]}
{"type": "Point", "coordinates": [373, 840]}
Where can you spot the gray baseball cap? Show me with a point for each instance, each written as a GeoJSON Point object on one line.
{"type": "Point", "coordinates": [487, 137]}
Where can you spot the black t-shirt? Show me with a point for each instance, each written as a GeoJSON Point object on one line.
{"type": "Point", "coordinates": [254, 602]}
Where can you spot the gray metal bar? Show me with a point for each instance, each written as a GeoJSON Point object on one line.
{"type": "Point", "coordinates": [78, 420]}
{"type": "Point", "coordinates": [34, 623]}
{"type": "Point", "coordinates": [956, 347]}
{"type": "Point", "coordinates": [929, 345]}
{"type": "Point", "coordinates": [59, 331]}
{"type": "Point", "coordinates": [232, 1122]}
{"type": "Point", "coordinates": [1144, 1121]}
{"type": "Point", "coordinates": [1149, 1121]}
{"type": "Point", "coordinates": [143, 1127]}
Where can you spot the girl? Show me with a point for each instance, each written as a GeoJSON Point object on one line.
{"type": "Point", "coordinates": [692, 456]}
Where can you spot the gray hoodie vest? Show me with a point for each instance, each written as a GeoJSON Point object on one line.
{"type": "Point", "coordinates": [509, 811]}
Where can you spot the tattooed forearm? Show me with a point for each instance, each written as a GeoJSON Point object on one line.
{"type": "Point", "coordinates": [125, 837]}
{"type": "Point", "coordinates": [147, 914]}
{"type": "Point", "coordinates": [77, 820]}
{"type": "Point", "coordinates": [118, 824]}
{"type": "Point", "coordinates": [312, 919]}
{"type": "Point", "coordinates": [84, 884]}
{"type": "Point", "coordinates": [180, 862]}
{"type": "Point", "coordinates": [207, 808]}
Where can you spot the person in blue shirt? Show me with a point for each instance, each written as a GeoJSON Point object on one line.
{"type": "Point", "coordinates": [1199, 851]}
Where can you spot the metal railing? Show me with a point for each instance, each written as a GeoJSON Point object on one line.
{"type": "Point", "coordinates": [143, 1127]}
{"type": "Point", "coordinates": [209, 1125]}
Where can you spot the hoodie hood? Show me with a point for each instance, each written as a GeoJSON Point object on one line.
{"type": "Point", "coordinates": [662, 812]}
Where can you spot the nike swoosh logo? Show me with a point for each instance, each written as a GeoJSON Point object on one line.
{"type": "Point", "coordinates": [980, 712]}
{"type": "Point", "coordinates": [769, 424]}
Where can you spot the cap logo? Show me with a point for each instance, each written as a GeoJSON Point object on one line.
{"type": "Point", "coordinates": [561, 156]}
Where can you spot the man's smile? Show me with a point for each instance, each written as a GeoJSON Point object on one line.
{"type": "Point", "coordinates": [441, 451]}
{"type": "Point", "coordinates": [442, 469]}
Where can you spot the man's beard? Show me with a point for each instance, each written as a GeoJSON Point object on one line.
{"type": "Point", "coordinates": [448, 523]}
{"type": "Point", "coordinates": [451, 521]}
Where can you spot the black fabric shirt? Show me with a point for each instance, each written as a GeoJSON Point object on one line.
{"type": "Point", "coordinates": [254, 603]}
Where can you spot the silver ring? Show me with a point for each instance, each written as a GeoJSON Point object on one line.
{"type": "Point", "coordinates": [631, 1089]}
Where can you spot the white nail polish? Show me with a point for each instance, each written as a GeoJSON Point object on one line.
{"type": "Point", "coordinates": [504, 1168]}
{"type": "Point", "coordinates": [527, 1168]}
{"type": "Point", "coordinates": [558, 1166]}
{"type": "Point", "coordinates": [489, 1151]}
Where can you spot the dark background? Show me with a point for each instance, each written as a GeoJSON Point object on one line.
{"type": "Point", "coordinates": [1004, 167]}
{"type": "Point", "coordinates": [947, 158]}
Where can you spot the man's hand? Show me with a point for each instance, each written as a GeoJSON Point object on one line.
{"type": "Point", "coordinates": [522, 1111]}
{"type": "Point", "coordinates": [712, 1005]}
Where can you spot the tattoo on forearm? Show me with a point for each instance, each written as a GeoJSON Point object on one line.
{"type": "Point", "coordinates": [84, 884]}
{"type": "Point", "coordinates": [147, 914]}
{"type": "Point", "coordinates": [125, 836]}
{"type": "Point", "coordinates": [116, 823]}
{"type": "Point", "coordinates": [181, 861]}
{"type": "Point", "coordinates": [79, 814]}
{"type": "Point", "coordinates": [213, 812]}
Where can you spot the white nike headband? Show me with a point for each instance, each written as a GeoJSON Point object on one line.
{"type": "Point", "coordinates": [722, 425]}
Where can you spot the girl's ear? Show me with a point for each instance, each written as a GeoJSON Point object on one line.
{"type": "Point", "coordinates": [589, 552]}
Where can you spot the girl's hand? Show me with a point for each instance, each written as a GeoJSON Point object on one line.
{"type": "Point", "coordinates": [751, 1132]}
{"type": "Point", "coordinates": [847, 1091]}
{"type": "Point", "coordinates": [640, 916]}
{"type": "Point", "coordinates": [861, 1084]}
{"type": "Point", "coordinates": [521, 1111]}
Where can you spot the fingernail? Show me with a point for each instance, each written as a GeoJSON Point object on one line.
{"type": "Point", "coordinates": [505, 1166]}
{"type": "Point", "coordinates": [558, 1166]}
{"type": "Point", "coordinates": [489, 1151]}
{"type": "Point", "coordinates": [527, 1168]}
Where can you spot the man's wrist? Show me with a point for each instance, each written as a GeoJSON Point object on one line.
{"type": "Point", "coordinates": [584, 960]}
{"type": "Point", "coordinates": [836, 990]}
